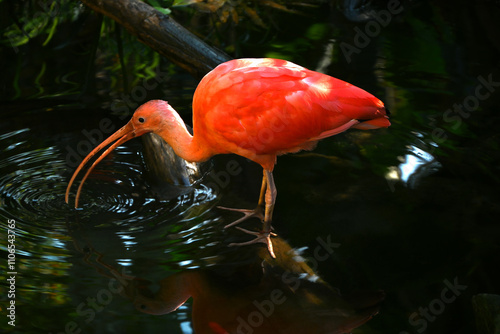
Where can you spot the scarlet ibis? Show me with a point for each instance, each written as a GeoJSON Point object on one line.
{"type": "Point", "coordinates": [258, 109]}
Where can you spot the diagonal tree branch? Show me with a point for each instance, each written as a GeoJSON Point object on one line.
{"type": "Point", "coordinates": [162, 33]}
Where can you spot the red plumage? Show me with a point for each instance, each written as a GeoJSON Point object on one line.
{"type": "Point", "coordinates": [255, 107]}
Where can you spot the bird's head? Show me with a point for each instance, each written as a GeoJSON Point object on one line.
{"type": "Point", "coordinates": [152, 116]}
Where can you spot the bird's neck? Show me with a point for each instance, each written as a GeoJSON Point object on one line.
{"type": "Point", "coordinates": [184, 144]}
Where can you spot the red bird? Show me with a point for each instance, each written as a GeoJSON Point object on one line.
{"type": "Point", "coordinates": [259, 109]}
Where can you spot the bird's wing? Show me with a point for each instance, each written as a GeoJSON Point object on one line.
{"type": "Point", "coordinates": [277, 108]}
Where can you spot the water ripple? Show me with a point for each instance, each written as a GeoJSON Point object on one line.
{"type": "Point", "coordinates": [33, 183]}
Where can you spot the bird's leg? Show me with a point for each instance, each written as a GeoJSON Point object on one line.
{"type": "Point", "coordinates": [270, 200]}
{"type": "Point", "coordinates": [264, 236]}
{"type": "Point", "coordinates": [257, 212]}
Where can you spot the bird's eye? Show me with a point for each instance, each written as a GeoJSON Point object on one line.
{"type": "Point", "coordinates": [141, 119]}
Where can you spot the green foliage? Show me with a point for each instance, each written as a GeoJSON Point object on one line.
{"type": "Point", "coordinates": [95, 55]}
{"type": "Point", "coordinates": [38, 19]}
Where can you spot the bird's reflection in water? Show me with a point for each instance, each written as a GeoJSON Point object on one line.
{"type": "Point", "coordinates": [280, 295]}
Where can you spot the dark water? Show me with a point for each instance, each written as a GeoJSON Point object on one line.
{"type": "Point", "coordinates": [411, 210]}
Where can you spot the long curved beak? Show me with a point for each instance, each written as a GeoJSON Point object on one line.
{"type": "Point", "coordinates": [124, 134]}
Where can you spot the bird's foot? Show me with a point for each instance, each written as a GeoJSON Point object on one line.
{"type": "Point", "coordinates": [262, 237]}
{"type": "Point", "coordinates": [258, 212]}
